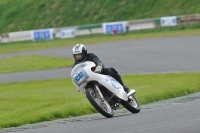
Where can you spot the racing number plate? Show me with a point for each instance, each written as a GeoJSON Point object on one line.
{"type": "Point", "coordinates": [80, 77]}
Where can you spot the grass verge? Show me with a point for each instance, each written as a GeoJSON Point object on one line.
{"type": "Point", "coordinates": [36, 101]}
{"type": "Point", "coordinates": [33, 62]}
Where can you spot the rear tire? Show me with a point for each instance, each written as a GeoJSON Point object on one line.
{"type": "Point", "coordinates": [100, 105]}
{"type": "Point", "coordinates": [131, 105]}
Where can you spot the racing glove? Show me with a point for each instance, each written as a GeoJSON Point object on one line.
{"type": "Point", "coordinates": [98, 69]}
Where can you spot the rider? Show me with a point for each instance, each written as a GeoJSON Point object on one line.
{"type": "Point", "coordinates": [80, 55]}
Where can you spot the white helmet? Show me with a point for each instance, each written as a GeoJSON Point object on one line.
{"type": "Point", "coordinates": [79, 49]}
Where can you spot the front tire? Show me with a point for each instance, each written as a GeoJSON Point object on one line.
{"type": "Point", "coordinates": [131, 105]}
{"type": "Point", "coordinates": [99, 104]}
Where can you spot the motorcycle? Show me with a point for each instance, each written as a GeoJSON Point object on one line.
{"type": "Point", "coordinates": [102, 91]}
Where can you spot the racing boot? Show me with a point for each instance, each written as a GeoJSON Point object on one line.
{"type": "Point", "coordinates": [126, 89]}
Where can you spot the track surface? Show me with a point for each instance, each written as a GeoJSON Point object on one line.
{"type": "Point", "coordinates": [170, 54]}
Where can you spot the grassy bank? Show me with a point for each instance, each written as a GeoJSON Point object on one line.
{"type": "Point", "coordinates": [36, 101]}
{"type": "Point", "coordinates": [33, 62]}
{"type": "Point", "coordinates": [39, 14]}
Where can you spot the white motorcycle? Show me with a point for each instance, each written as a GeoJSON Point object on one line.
{"type": "Point", "coordinates": [103, 91]}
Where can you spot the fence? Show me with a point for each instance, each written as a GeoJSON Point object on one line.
{"type": "Point", "coordinates": [130, 25]}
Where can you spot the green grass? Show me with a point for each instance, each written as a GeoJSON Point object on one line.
{"type": "Point", "coordinates": [156, 87]}
{"type": "Point", "coordinates": [38, 14]}
{"type": "Point", "coordinates": [36, 101]}
{"type": "Point", "coordinates": [33, 62]}
{"type": "Point", "coordinates": [100, 38]}
{"type": "Point", "coordinates": [2, 2]}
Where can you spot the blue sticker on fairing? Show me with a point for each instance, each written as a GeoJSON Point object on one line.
{"type": "Point", "coordinates": [115, 84]}
{"type": "Point", "coordinates": [80, 77]}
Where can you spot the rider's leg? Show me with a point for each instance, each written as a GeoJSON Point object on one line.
{"type": "Point", "coordinates": [119, 79]}
{"type": "Point", "coordinates": [113, 73]}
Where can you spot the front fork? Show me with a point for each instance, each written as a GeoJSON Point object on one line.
{"type": "Point", "coordinates": [116, 105]}
{"type": "Point", "coordinates": [98, 90]}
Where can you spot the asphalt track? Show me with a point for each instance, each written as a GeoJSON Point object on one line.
{"type": "Point", "coordinates": [172, 54]}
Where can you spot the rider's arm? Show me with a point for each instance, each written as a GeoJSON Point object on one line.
{"type": "Point", "coordinates": [96, 60]}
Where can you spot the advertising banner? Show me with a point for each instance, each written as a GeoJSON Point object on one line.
{"type": "Point", "coordinates": [168, 21]}
{"type": "Point", "coordinates": [114, 27]}
{"type": "Point", "coordinates": [67, 33]}
{"type": "Point", "coordinates": [43, 34]}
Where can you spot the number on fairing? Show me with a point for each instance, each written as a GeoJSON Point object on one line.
{"type": "Point", "coordinates": [80, 77]}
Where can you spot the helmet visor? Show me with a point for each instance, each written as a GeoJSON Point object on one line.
{"type": "Point", "coordinates": [78, 56]}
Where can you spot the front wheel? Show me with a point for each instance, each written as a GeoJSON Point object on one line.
{"type": "Point", "coordinates": [131, 105]}
{"type": "Point", "coordinates": [101, 105]}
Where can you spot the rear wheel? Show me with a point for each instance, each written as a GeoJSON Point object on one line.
{"type": "Point", "coordinates": [101, 105]}
{"type": "Point", "coordinates": [131, 105]}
